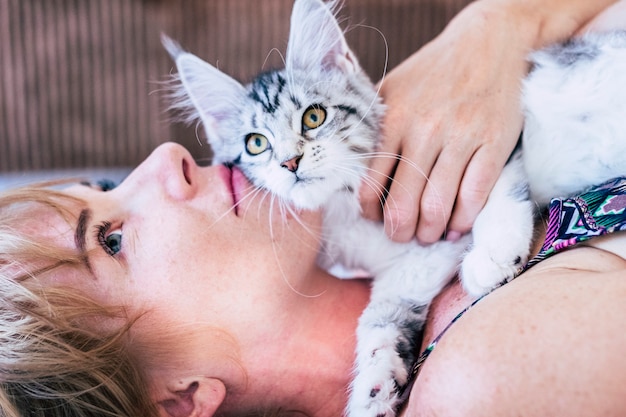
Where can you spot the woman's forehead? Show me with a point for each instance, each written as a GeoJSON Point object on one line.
{"type": "Point", "coordinates": [50, 255]}
{"type": "Point", "coordinates": [57, 228]}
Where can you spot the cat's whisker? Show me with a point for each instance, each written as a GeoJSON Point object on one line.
{"type": "Point", "coordinates": [305, 227]}
{"type": "Point", "coordinates": [248, 195]}
{"type": "Point", "coordinates": [389, 155]}
{"type": "Point", "coordinates": [267, 57]}
{"type": "Point", "coordinates": [413, 165]}
{"type": "Point", "coordinates": [264, 194]}
{"type": "Point", "coordinates": [286, 279]}
{"type": "Point", "coordinates": [205, 161]}
{"type": "Point", "coordinates": [386, 65]}
{"type": "Point", "coordinates": [286, 209]}
{"type": "Point", "coordinates": [197, 130]}
{"type": "Point", "coordinates": [386, 200]}
{"type": "Point", "coordinates": [281, 208]}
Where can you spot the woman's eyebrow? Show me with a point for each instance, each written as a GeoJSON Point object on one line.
{"type": "Point", "coordinates": [81, 229]}
{"type": "Point", "coordinates": [80, 235]}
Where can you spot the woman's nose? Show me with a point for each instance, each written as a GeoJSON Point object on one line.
{"type": "Point", "coordinates": [171, 167]}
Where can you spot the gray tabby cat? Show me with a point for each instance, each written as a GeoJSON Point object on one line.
{"type": "Point", "coordinates": [305, 134]}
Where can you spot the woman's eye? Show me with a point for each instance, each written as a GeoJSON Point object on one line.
{"type": "Point", "coordinates": [113, 242]}
{"type": "Point", "coordinates": [102, 185]}
{"type": "Point", "coordinates": [110, 241]}
{"type": "Point", "coordinates": [106, 184]}
{"type": "Point", "coordinates": [313, 117]}
{"type": "Point", "coordinates": [256, 144]}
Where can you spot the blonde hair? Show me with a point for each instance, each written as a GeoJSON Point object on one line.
{"type": "Point", "coordinates": [51, 362]}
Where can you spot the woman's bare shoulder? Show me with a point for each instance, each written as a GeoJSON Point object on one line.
{"type": "Point", "coordinates": [554, 333]}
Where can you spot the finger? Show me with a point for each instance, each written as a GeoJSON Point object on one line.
{"type": "Point", "coordinates": [401, 209]}
{"type": "Point", "coordinates": [480, 176]}
{"type": "Point", "coordinates": [375, 184]}
{"type": "Point", "coordinates": [440, 193]}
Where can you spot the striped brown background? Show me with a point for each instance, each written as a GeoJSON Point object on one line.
{"type": "Point", "coordinates": [79, 79]}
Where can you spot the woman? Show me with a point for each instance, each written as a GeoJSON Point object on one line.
{"type": "Point", "coordinates": [180, 293]}
{"type": "Point", "coordinates": [228, 313]}
{"type": "Point", "coordinates": [223, 290]}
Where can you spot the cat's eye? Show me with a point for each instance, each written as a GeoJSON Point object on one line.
{"type": "Point", "coordinates": [256, 143]}
{"type": "Point", "coordinates": [313, 117]}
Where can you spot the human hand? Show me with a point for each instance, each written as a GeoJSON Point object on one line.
{"type": "Point", "coordinates": [453, 117]}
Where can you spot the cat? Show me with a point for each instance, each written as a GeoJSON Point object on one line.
{"type": "Point", "coordinates": [305, 134]}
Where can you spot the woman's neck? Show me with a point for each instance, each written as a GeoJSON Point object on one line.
{"type": "Point", "coordinates": [306, 363]}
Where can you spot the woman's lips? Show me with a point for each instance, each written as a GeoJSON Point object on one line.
{"type": "Point", "coordinates": [237, 184]}
{"type": "Point", "coordinates": [240, 185]}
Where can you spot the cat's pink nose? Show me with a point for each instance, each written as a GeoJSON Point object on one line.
{"type": "Point", "coordinates": [292, 164]}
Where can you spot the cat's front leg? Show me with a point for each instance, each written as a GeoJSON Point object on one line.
{"type": "Point", "coordinates": [387, 331]}
{"type": "Point", "coordinates": [386, 335]}
{"type": "Point", "coordinates": [502, 233]}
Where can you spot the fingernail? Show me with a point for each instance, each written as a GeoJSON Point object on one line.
{"type": "Point", "coordinates": [453, 235]}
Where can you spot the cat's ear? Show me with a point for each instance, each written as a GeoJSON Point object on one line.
{"type": "Point", "coordinates": [316, 40]}
{"type": "Point", "coordinates": [207, 93]}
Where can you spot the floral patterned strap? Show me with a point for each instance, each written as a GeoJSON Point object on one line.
{"type": "Point", "coordinates": [597, 212]}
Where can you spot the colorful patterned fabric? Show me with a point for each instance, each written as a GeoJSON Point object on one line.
{"type": "Point", "coordinates": [599, 211]}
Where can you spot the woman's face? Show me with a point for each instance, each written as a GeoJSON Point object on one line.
{"type": "Point", "coordinates": [192, 244]}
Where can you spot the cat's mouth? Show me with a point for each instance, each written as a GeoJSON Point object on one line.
{"type": "Point", "coordinates": [301, 181]}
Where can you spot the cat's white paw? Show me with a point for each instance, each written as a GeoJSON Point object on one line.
{"type": "Point", "coordinates": [379, 374]}
{"type": "Point", "coordinates": [483, 268]}
{"type": "Point", "coordinates": [502, 233]}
